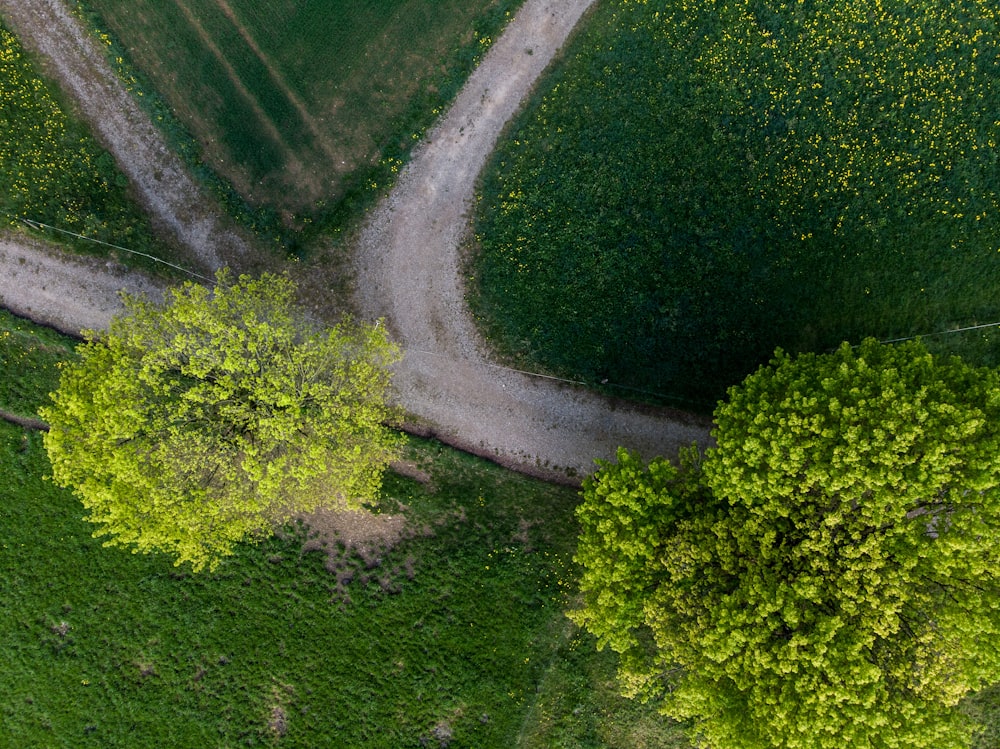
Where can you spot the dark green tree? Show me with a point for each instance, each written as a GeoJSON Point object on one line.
{"type": "Point", "coordinates": [198, 423]}
{"type": "Point", "coordinates": [827, 576]}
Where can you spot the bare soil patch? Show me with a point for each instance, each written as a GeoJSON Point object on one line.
{"type": "Point", "coordinates": [360, 532]}
{"type": "Point", "coordinates": [355, 543]}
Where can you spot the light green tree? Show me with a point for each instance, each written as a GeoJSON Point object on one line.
{"type": "Point", "coordinates": [197, 423]}
{"type": "Point", "coordinates": [827, 576]}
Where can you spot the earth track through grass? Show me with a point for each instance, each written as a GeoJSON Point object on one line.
{"type": "Point", "coordinates": [290, 157]}
{"type": "Point", "coordinates": [302, 105]}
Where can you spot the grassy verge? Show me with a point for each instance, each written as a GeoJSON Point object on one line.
{"type": "Point", "coordinates": [29, 358]}
{"type": "Point", "coordinates": [298, 114]}
{"type": "Point", "coordinates": [454, 637]}
{"type": "Point", "coordinates": [697, 184]}
{"type": "Point", "coordinates": [53, 171]}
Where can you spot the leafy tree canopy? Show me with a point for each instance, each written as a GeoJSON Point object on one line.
{"type": "Point", "coordinates": [827, 575]}
{"type": "Point", "coordinates": [208, 419]}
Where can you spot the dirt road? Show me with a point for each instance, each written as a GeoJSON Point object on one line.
{"type": "Point", "coordinates": [66, 292]}
{"type": "Point", "coordinates": [408, 267]}
{"type": "Point", "coordinates": [177, 205]}
{"type": "Point", "coordinates": [407, 258]}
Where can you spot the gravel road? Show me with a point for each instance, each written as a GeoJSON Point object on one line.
{"type": "Point", "coordinates": [409, 269]}
{"type": "Point", "coordinates": [407, 262]}
{"type": "Point", "coordinates": [66, 292]}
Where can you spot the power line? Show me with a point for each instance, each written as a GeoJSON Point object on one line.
{"type": "Point", "coordinates": [38, 225]}
{"type": "Point", "coordinates": [944, 332]}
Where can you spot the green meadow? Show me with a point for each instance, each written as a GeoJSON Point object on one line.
{"type": "Point", "coordinates": [448, 633]}
{"type": "Point", "coordinates": [698, 183]}
{"type": "Point", "coordinates": [649, 225]}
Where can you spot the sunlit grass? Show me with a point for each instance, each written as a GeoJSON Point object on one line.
{"type": "Point", "coordinates": [455, 635]}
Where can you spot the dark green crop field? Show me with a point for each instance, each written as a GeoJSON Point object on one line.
{"type": "Point", "coordinates": [698, 183]}
{"type": "Point", "coordinates": [299, 103]}
{"type": "Point", "coordinates": [449, 632]}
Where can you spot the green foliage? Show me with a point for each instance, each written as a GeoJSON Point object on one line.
{"type": "Point", "coordinates": [53, 171]}
{"type": "Point", "coordinates": [742, 175]}
{"type": "Point", "coordinates": [630, 511]}
{"type": "Point", "coordinates": [838, 585]}
{"type": "Point", "coordinates": [579, 706]}
{"type": "Point", "coordinates": [195, 424]}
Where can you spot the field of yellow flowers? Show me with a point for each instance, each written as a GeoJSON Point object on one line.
{"type": "Point", "coordinates": [52, 170]}
{"type": "Point", "coordinates": [700, 182]}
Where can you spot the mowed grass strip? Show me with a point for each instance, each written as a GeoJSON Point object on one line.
{"type": "Point", "coordinates": [451, 634]}
{"type": "Point", "coordinates": [53, 171]}
{"type": "Point", "coordinates": [295, 103]}
{"type": "Point", "coordinates": [697, 184]}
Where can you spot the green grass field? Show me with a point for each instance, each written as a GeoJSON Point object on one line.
{"type": "Point", "coordinates": [301, 104]}
{"type": "Point", "coordinates": [681, 197]}
{"type": "Point", "coordinates": [53, 171]}
{"type": "Point", "coordinates": [455, 637]}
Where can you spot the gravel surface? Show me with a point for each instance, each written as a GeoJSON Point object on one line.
{"type": "Point", "coordinates": [67, 292]}
{"type": "Point", "coordinates": [408, 267]}
{"type": "Point", "coordinates": [407, 257]}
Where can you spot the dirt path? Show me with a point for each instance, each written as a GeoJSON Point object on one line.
{"type": "Point", "coordinates": [175, 202]}
{"type": "Point", "coordinates": [407, 265]}
{"type": "Point", "coordinates": [66, 292]}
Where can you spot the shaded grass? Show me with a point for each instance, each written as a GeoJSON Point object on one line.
{"type": "Point", "coordinates": [452, 633]}
{"type": "Point", "coordinates": [53, 171]}
{"type": "Point", "coordinates": [307, 109]}
{"type": "Point", "coordinates": [29, 358]}
{"type": "Point", "coordinates": [652, 222]}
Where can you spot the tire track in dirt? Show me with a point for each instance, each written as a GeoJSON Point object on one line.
{"type": "Point", "coordinates": [279, 82]}
{"type": "Point", "coordinates": [265, 120]}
